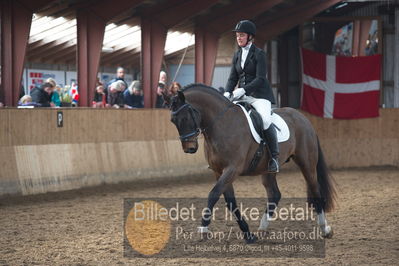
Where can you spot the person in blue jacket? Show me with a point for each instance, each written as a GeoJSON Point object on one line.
{"type": "Point", "coordinates": [133, 95]}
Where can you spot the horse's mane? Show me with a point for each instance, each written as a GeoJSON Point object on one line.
{"type": "Point", "coordinates": [202, 87]}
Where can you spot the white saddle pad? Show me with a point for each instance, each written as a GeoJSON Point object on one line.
{"type": "Point", "coordinates": [283, 132]}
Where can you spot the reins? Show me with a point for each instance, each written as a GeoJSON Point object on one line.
{"type": "Point", "coordinates": [198, 130]}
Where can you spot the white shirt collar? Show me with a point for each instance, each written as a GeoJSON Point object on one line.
{"type": "Point", "coordinates": [244, 54]}
{"type": "Point", "coordinates": [247, 47]}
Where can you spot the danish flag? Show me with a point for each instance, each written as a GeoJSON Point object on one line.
{"type": "Point", "coordinates": [339, 86]}
{"type": "Point", "coordinates": [74, 92]}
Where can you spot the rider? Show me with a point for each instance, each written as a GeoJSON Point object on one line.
{"type": "Point", "coordinates": [249, 71]}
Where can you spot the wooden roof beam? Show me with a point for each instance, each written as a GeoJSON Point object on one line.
{"type": "Point", "coordinates": [36, 5]}
{"type": "Point", "coordinates": [154, 27]}
{"type": "Point", "coordinates": [179, 42]}
{"type": "Point", "coordinates": [38, 28]}
{"type": "Point", "coordinates": [264, 19]}
{"type": "Point", "coordinates": [209, 29]}
{"type": "Point", "coordinates": [133, 62]}
{"type": "Point", "coordinates": [124, 37]}
{"type": "Point", "coordinates": [16, 20]}
{"type": "Point", "coordinates": [50, 52]}
{"type": "Point", "coordinates": [33, 48]}
{"type": "Point", "coordinates": [272, 28]}
{"type": "Point", "coordinates": [65, 57]}
{"type": "Point", "coordinates": [225, 19]}
{"type": "Point", "coordinates": [91, 25]}
{"type": "Point", "coordinates": [130, 49]}
{"type": "Point", "coordinates": [67, 28]}
{"type": "Point", "coordinates": [115, 60]}
{"type": "Point", "coordinates": [136, 47]}
{"type": "Point", "coordinates": [40, 21]}
{"type": "Point", "coordinates": [116, 32]}
{"type": "Point", "coordinates": [53, 9]}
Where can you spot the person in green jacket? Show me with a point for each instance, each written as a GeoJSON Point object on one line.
{"type": "Point", "coordinates": [55, 97]}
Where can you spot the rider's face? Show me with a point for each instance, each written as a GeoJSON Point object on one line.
{"type": "Point", "coordinates": [242, 38]}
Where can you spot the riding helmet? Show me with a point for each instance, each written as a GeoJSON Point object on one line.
{"type": "Point", "coordinates": [246, 26]}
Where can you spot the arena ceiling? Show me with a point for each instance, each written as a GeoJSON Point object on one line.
{"type": "Point", "coordinates": [53, 35]}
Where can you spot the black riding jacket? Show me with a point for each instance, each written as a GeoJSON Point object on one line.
{"type": "Point", "coordinates": [253, 77]}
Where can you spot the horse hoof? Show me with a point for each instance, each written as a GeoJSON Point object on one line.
{"type": "Point", "coordinates": [328, 232]}
{"type": "Point", "coordinates": [264, 222]}
{"type": "Point", "coordinates": [203, 229]}
{"type": "Point", "coordinates": [251, 239]}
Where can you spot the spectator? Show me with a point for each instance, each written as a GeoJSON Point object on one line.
{"type": "Point", "coordinates": [174, 88]}
{"type": "Point", "coordinates": [120, 75]}
{"type": "Point", "coordinates": [161, 89]}
{"type": "Point", "coordinates": [163, 77]}
{"type": "Point", "coordinates": [98, 82]}
{"type": "Point", "coordinates": [115, 94]}
{"type": "Point", "coordinates": [1, 105]}
{"type": "Point", "coordinates": [26, 100]}
{"type": "Point", "coordinates": [55, 97]}
{"type": "Point", "coordinates": [42, 95]}
{"type": "Point", "coordinates": [133, 96]}
{"type": "Point", "coordinates": [99, 100]}
{"type": "Point", "coordinates": [52, 82]}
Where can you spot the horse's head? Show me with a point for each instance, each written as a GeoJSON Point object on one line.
{"type": "Point", "coordinates": [187, 121]}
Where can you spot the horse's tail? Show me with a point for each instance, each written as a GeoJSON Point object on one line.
{"type": "Point", "coordinates": [326, 182]}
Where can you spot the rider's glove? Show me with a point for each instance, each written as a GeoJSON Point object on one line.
{"type": "Point", "coordinates": [227, 95]}
{"type": "Point", "coordinates": [238, 93]}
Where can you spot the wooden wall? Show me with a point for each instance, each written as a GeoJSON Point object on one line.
{"type": "Point", "coordinates": [362, 142]}
{"type": "Point", "coordinates": [97, 146]}
{"type": "Point", "coordinates": [93, 147]}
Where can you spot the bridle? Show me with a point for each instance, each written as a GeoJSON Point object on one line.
{"type": "Point", "coordinates": [197, 131]}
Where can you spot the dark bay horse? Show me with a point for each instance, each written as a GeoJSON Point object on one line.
{"type": "Point", "coordinates": [229, 149]}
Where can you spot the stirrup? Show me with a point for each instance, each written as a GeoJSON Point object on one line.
{"type": "Point", "coordinates": [277, 166]}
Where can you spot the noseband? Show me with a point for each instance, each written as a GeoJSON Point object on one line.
{"type": "Point", "coordinates": [197, 131]}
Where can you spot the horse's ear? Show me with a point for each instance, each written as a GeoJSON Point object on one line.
{"type": "Point", "coordinates": [181, 96]}
{"type": "Point", "coordinates": [166, 98]}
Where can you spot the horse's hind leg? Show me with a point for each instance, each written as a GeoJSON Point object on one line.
{"type": "Point", "coordinates": [273, 197]}
{"type": "Point", "coordinates": [308, 169]}
{"type": "Point", "coordinates": [231, 204]}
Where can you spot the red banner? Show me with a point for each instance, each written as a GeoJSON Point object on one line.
{"type": "Point", "coordinates": [340, 87]}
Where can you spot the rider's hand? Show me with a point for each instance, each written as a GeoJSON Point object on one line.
{"type": "Point", "coordinates": [238, 93]}
{"type": "Point", "coordinates": [227, 95]}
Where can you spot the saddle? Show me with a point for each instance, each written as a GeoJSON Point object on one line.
{"type": "Point", "coordinates": [256, 126]}
{"type": "Point", "coordinates": [255, 117]}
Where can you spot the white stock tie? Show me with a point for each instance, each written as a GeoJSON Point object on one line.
{"type": "Point", "coordinates": [244, 54]}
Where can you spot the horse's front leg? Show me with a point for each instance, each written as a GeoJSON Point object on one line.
{"type": "Point", "coordinates": [231, 204]}
{"type": "Point", "coordinates": [220, 187]}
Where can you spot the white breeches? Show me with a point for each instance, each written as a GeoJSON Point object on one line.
{"type": "Point", "coordinates": [262, 106]}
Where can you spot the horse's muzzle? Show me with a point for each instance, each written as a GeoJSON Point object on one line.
{"type": "Point", "coordinates": [191, 150]}
{"type": "Point", "coordinates": [190, 146]}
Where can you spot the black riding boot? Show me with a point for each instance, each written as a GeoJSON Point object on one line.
{"type": "Point", "coordinates": [270, 136]}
